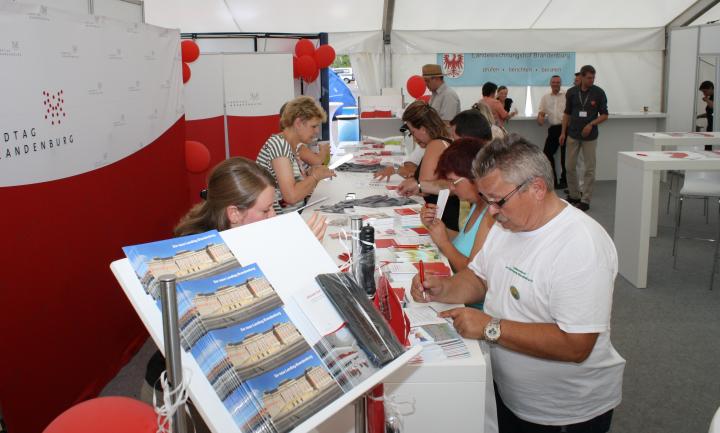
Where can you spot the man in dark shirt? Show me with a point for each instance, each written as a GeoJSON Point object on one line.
{"type": "Point", "coordinates": [585, 109]}
{"type": "Point", "coordinates": [708, 90]}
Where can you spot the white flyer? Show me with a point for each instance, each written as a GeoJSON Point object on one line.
{"type": "Point", "coordinates": [443, 196]}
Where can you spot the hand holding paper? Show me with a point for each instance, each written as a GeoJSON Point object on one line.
{"type": "Point", "coordinates": [443, 196]}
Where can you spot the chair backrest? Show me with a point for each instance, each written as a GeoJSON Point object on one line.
{"type": "Point", "coordinates": [705, 183]}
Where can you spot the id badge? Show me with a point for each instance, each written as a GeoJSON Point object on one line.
{"type": "Point", "coordinates": [582, 114]}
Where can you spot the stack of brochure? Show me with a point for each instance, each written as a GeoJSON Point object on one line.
{"type": "Point", "coordinates": [436, 335]}
{"type": "Point", "coordinates": [409, 217]}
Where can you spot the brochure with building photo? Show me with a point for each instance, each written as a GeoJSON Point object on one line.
{"type": "Point", "coordinates": [223, 300]}
{"type": "Point", "coordinates": [295, 391]}
{"type": "Point", "coordinates": [186, 257]}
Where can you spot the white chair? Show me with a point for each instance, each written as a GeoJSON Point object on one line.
{"type": "Point", "coordinates": [701, 185]}
{"type": "Point", "coordinates": [715, 423]}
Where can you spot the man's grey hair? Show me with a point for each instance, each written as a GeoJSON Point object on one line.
{"type": "Point", "coordinates": [517, 159]}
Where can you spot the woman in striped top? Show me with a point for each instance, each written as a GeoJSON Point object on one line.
{"type": "Point", "coordinates": [300, 122]}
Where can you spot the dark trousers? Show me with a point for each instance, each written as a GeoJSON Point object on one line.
{"type": "Point", "coordinates": [509, 423]}
{"type": "Point", "coordinates": [552, 142]}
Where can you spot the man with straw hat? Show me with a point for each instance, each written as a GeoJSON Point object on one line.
{"type": "Point", "coordinates": [444, 99]}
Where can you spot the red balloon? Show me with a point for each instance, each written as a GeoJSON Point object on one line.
{"type": "Point", "coordinates": [416, 86]}
{"type": "Point", "coordinates": [186, 72]}
{"type": "Point", "coordinates": [306, 67]}
{"type": "Point", "coordinates": [324, 56]}
{"type": "Point", "coordinates": [312, 77]}
{"type": "Point", "coordinates": [304, 48]}
{"type": "Point", "coordinates": [425, 98]}
{"type": "Point", "coordinates": [197, 156]}
{"type": "Point", "coordinates": [107, 415]}
{"type": "Point", "coordinates": [296, 69]}
{"type": "Point", "coordinates": [190, 50]}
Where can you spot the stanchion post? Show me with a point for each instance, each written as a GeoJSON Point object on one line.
{"type": "Point", "coordinates": [360, 414]}
{"type": "Point", "coordinates": [355, 226]}
{"type": "Point", "coordinates": [171, 334]}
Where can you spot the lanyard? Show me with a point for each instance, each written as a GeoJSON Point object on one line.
{"type": "Point", "coordinates": [582, 103]}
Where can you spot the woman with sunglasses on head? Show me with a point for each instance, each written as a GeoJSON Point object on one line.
{"type": "Point", "coordinates": [238, 192]}
{"type": "Point", "coordinates": [455, 166]}
{"type": "Point", "coordinates": [430, 133]}
{"type": "Point", "coordinates": [280, 155]}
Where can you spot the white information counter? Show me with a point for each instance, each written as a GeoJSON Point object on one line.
{"type": "Point", "coordinates": [451, 395]}
{"type": "Point", "coordinates": [616, 135]}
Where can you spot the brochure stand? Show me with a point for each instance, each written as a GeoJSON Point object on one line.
{"type": "Point", "coordinates": [289, 256]}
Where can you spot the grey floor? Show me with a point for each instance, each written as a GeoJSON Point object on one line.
{"type": "Point", "coordinates": [669, 333]}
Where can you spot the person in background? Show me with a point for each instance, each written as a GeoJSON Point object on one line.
{"type": "Point", "coordinates": [546, 273]}
{"type": "Point", "coordinates": [470, 123]}
{"type": "Point", "coordinates": [482, 108]}
{"type": "Point", "coordinates": [239, 192]}
{"type": "Point", "coordinates": [430, 133]}
{"type": "Point", "coordinates": [708, 90]}
{"type": "Point", "coordinates": [489, 91]}
{"type": "Point", "coordinates": [300, 123]}
{"type": "Point", "coordinates": [444, 99]}
{"type": "Point", "coordinates": [502, 93]}
{"type": "Point", "coordinates": [585, 109]}
{"type": "Point", "coordinates": [552, 107]}
{"type": "Point", "coordinates": [576, 82]}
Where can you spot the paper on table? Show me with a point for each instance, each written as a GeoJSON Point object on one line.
{"type": "Point", "coordinates": [340, 161]}
{"type": "Point", "coordinates": [443, 196]}
{"type": "Point", "coordinates": [423, 315]}
{"type": "Point", "coordinates": [401, 268]}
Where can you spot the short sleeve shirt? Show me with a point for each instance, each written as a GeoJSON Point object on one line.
{"type": "Point", "coordinates": [583, 107]}
{"type": "Point", "coordinates": [553, 106]}
{"type": "Point", "coordinates": [446, 102]}
{"type": "Point", "coordinates": [562, 273]}
{"type": "Point", "coordinates": [277, 147]}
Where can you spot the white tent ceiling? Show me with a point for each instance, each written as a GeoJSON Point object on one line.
{"type": "Point", "coordinates": [312, 16]}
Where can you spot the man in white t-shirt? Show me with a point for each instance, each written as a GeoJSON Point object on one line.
{"type": "Point", "coordinates": [546, 274]}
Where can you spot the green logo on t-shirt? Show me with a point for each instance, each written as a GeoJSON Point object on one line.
{"type": "Point", "coordinates": [514, 292]}
{"type": "Point", "coordinates": [519, 273]}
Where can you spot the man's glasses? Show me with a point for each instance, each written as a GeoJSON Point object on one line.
{"type": "Point", "coordinates": [500, 203]}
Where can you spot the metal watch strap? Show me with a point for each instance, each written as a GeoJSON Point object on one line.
{"type": "Point", "coordinates": [491, 333]}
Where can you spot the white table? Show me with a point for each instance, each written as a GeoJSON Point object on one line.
{"type": "Point", "coordinates": [665, 140]}
{"type": "Point", "coordinates": [638, 173]}
{"type": "Point", "coordinates": [643, 141]}
{"type": "Point", "coordinates": [467, 381]}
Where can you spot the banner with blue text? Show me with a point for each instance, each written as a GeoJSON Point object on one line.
{"type": "Point", "coordinates": [509, 69]}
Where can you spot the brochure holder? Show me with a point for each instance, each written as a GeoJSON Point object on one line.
{"type": "Point", "coordinates": [289, 257]}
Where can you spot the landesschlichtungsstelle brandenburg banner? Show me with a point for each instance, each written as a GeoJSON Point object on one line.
{"type": "Point", "coordinates": [509, 69]}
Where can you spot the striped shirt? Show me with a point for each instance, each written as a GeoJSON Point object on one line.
{"type": "Point", "coordinates": [277, 147]}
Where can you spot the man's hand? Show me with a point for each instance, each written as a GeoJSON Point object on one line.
{"type": "Point", "coordinates": [408, 187]}
{"type": "Point", "coordinates": [561, 139]}
{"type": "Point", "coordinates": [587, 129]}
{"type": "Point", "coordinates": [384, 174]}
{"type": "Point", "coordinates": [468, 322]}
{"type": "Point", "coordinates": [432, 290]}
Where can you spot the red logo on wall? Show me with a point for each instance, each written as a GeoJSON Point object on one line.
{"type": "Point", "coordinates": [453, 64]}
{"type": "Point", "coordinates": [53, 105]}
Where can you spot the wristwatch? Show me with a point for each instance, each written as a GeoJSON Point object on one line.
{"type": "Point", "coordinates": [492, 330]}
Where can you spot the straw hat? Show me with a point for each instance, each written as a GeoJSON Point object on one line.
{"type": "Point", "coordinates": [432, 70]}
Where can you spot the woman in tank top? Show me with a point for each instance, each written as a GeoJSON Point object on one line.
{"type": "Point", "coordinates": [429, 132]}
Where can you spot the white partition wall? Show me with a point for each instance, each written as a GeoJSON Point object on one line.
{"type": "Point", "coordinates": [681, 72]}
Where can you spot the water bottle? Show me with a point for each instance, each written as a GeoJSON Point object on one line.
{"type": "Point", "coordinates": [367, 260]}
